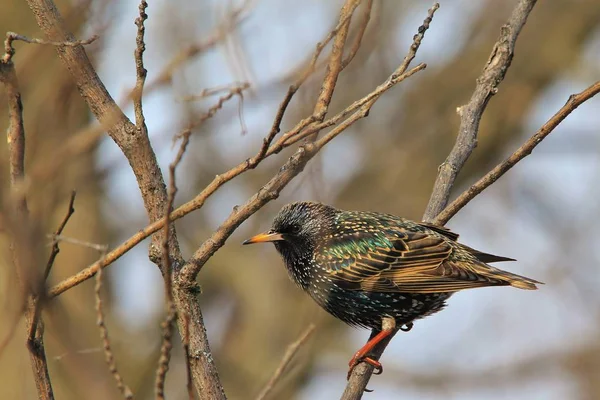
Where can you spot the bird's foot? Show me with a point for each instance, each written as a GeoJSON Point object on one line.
{"type": "Point", "coordinates": [357, 359]}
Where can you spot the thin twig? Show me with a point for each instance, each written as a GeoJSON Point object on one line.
{"type": "Point", "coordinates": [234, 91]}
{"type": "Point", "coordinates": [231, 21]}
{"type": "Point", "coordinates": [235, 87]}
{"type": "Point", "coordinates": [168, 323]}
{"type": "Point", "coordinates": [334, 66]}
{"type": "Point", "coordinates": [53, 253]}
{"type": "Point", "coordinates": [9, 51]}
{"type": "Point", "coordinates": [91, 350]}
{"type": "Point", "coordinates": [572, 103]}
{"type": "Point", "coordinates": [362, 27]}
{"type": "Point", "coordinates": [19, 242]}
{"type": "Point", "coordinates": [287, 358]}
{"type": "Point", "coordinates": [108, 354]}
{"type": "Point", "coordinates": [471, 113]}
{"type": "Point", "coordinates": [140, 71]}
{"type": "Point", "coordinates": [61, 238]}
{"type": "Point", "coordinates": [308, 71]}
{"type": "Point", "coordinates": [55, 248]}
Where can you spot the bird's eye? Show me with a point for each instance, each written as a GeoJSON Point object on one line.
{"type": "Point", "coordinates": [295, 229]}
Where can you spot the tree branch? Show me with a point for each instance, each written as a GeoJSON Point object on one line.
{"type": "Point", "coordinates": [108, 354]}
{"type": "Point", "coordinates": [572, 103]}
{"type": "Point", "coordinates": [471, 113]}
{"type": "Point", "coordinates": [132, 141]}
{"type": "Point", "coordinates": [25, 269]}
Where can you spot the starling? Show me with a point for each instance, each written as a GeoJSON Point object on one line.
{"type": "Point", "coordinates": [377, 270]}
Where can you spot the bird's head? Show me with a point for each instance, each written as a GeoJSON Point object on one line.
{"type": "Point", "coordinates": [298, 227]}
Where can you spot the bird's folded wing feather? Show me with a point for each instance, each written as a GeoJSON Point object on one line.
{"type": "Point", "coordinates": [400, 261]}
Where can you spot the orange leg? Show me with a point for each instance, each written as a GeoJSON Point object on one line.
{"type": "Point", "coordinates": [360, 355]}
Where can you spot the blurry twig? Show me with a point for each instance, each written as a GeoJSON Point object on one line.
{"type": "Point", "coordinates": [53, 253]}
{"type": "Point", "coordinates": [233, 91]}
{"type": "Point", "coordinates": [287, 358]}
{"type": "Point", "coordinates": [108, 354]}
{"type": "Point", "coordinates": [231, 21]}
{"type": "Point", "coordinates": [95, 246]}
{"type": "Point", "coordinates": [9, 51]}
{"type": "Point", "coordinates": [55, 248]}
{"type": "Point", "coordinates": [471, 113]}
{"type": "Point", "coordinates": [572, 103]}
{"type": "Point", "coordinates": [236, 88]}
{"type": "Point", "coordinates": [91, 350]}
{"type": "Point", "coordinates": [18, 245]}
{"type": "Point", "coordinates": [362, 27]}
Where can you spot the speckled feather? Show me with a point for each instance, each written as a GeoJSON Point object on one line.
{"type": "Point", "coordinates": [363, 266]}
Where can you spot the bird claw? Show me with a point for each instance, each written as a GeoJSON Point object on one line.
{"type": "Point", "coordinates": [377, 367]}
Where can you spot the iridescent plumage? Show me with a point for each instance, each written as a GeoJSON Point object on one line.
{"type": "Point", "coordinates": [365, 266]}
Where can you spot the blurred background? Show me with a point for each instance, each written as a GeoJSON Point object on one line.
{"type": "Point", "coordinates": [496, 343]}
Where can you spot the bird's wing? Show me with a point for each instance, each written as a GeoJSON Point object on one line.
{"type": "Point", "coordinates": [480, 255]}
{"type": "Point", "coordinates": [401, 261]}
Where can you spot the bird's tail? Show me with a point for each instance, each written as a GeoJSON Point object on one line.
{"type": "Point", "coordinates": [515, 280]}
{"type": "Point", "coordinates": [507, 278]}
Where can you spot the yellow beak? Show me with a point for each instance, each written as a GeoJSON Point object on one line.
{"type": "Point", "coordinates": [264, 237]}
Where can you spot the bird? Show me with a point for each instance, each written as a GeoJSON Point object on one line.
{"type": "Point", "coordinates": [376, 270]}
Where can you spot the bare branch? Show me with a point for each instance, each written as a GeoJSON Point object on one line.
{"type": "Point", "coordinates": [140, 71]}
{"type": "Point", "coordinates": [102, 248]}
{"type": "Point", "coordinates": [108, 354]}
{"type": "Point", "coordinates": [234, 91]}
{"type": "Point", "coordinates": [362, 27]}
{"type": "Point", "coordinates": [572, 103]}
{"type": "Point", "coordinates": [471, 113]}
{"type": "Point", "coordinates": [53, 253]}
{"type": "Point", "coordinates": [287, 358]}
{"type": "Point", "coordinates": [16, 146]}
{"type": "Point", "coordinates": [55, 248]}
{"type": "Point", "coordinates": [236, 88]}
{"type": "Point", "coordinates": [9, 51]}
{"type": "Point", "coordinates": [132, 141]}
